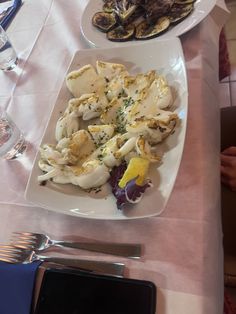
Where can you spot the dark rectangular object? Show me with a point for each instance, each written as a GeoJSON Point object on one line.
{"type": "Point", "coordinates": [78, 292]}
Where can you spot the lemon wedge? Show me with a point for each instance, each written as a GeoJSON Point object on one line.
{"type": "Point", "coordinates": [137, 167]}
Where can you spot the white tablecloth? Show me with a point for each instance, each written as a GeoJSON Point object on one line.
{"type": "Point", "coordinates": [183, 246]}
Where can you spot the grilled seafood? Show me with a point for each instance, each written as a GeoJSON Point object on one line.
{"type": "Point", "coordinates": [124, 20]}
{"type": "Point", "coordinates": [126, 117]}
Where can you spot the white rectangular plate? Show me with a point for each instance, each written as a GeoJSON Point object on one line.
{"type": "Point", "coordinates": [166, 57]}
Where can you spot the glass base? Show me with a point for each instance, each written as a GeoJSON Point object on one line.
{"type": "Point", "coordinates": [11, 66]}
{"type": "Point", "coordinates": [17, 149]}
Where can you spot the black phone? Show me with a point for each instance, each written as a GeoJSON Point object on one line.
{"type": "Point", "coordinates": [80, 292]}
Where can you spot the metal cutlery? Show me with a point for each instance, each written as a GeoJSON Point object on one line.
{"type": "Point", "coordinates": [39, 242]}
{"type": "Point", "coordinates": [12, 254]}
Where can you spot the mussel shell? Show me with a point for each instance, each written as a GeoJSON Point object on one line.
{"type": "Point", "coordinates": [139, 12]}
{"type": "Point", "coordinates": [155, 9]}
{"type": "Point", "coordinates": [144, 30]}
{"type": "Point", "coordinates": [124, 11]}
{"type": "Point", "coordinates": [109, 6]}
{"type": "Point", "coordinates": [184, 1]}
{"type": "Point", "coordinates": [121, 33]}
{"type": "Point", "coordinates": [179, 12]}
{"type": "Point", "coordinates": [104, 21]}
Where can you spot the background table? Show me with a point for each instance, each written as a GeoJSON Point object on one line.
{"type": "Point", "coordinates": [183, 246]}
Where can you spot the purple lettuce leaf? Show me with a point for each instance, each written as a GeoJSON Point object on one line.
{"type": "Point", "coordinates": [131, 193]}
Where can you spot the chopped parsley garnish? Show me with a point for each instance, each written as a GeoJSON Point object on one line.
{"type": "Point", "coordinates": [128, 102]}
{"type": "Point", "coordinates": [120, 121]}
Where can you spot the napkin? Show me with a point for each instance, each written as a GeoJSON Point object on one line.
{"type": "Point", "coordinates": [10, 13]}
{"type": "Point", "coordinates": [16, 287]}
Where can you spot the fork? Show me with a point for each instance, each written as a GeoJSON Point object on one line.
{"type": "Point", "coordinates": [39, 242]}
{"type": "Point", "coordinates": [17, 255]}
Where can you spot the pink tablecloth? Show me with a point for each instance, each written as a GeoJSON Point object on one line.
{"type": "Point", "coordinates": [183, 246]}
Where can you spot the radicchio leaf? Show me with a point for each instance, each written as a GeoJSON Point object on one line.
{"type": "Point", "coordinates": [131, 193]}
